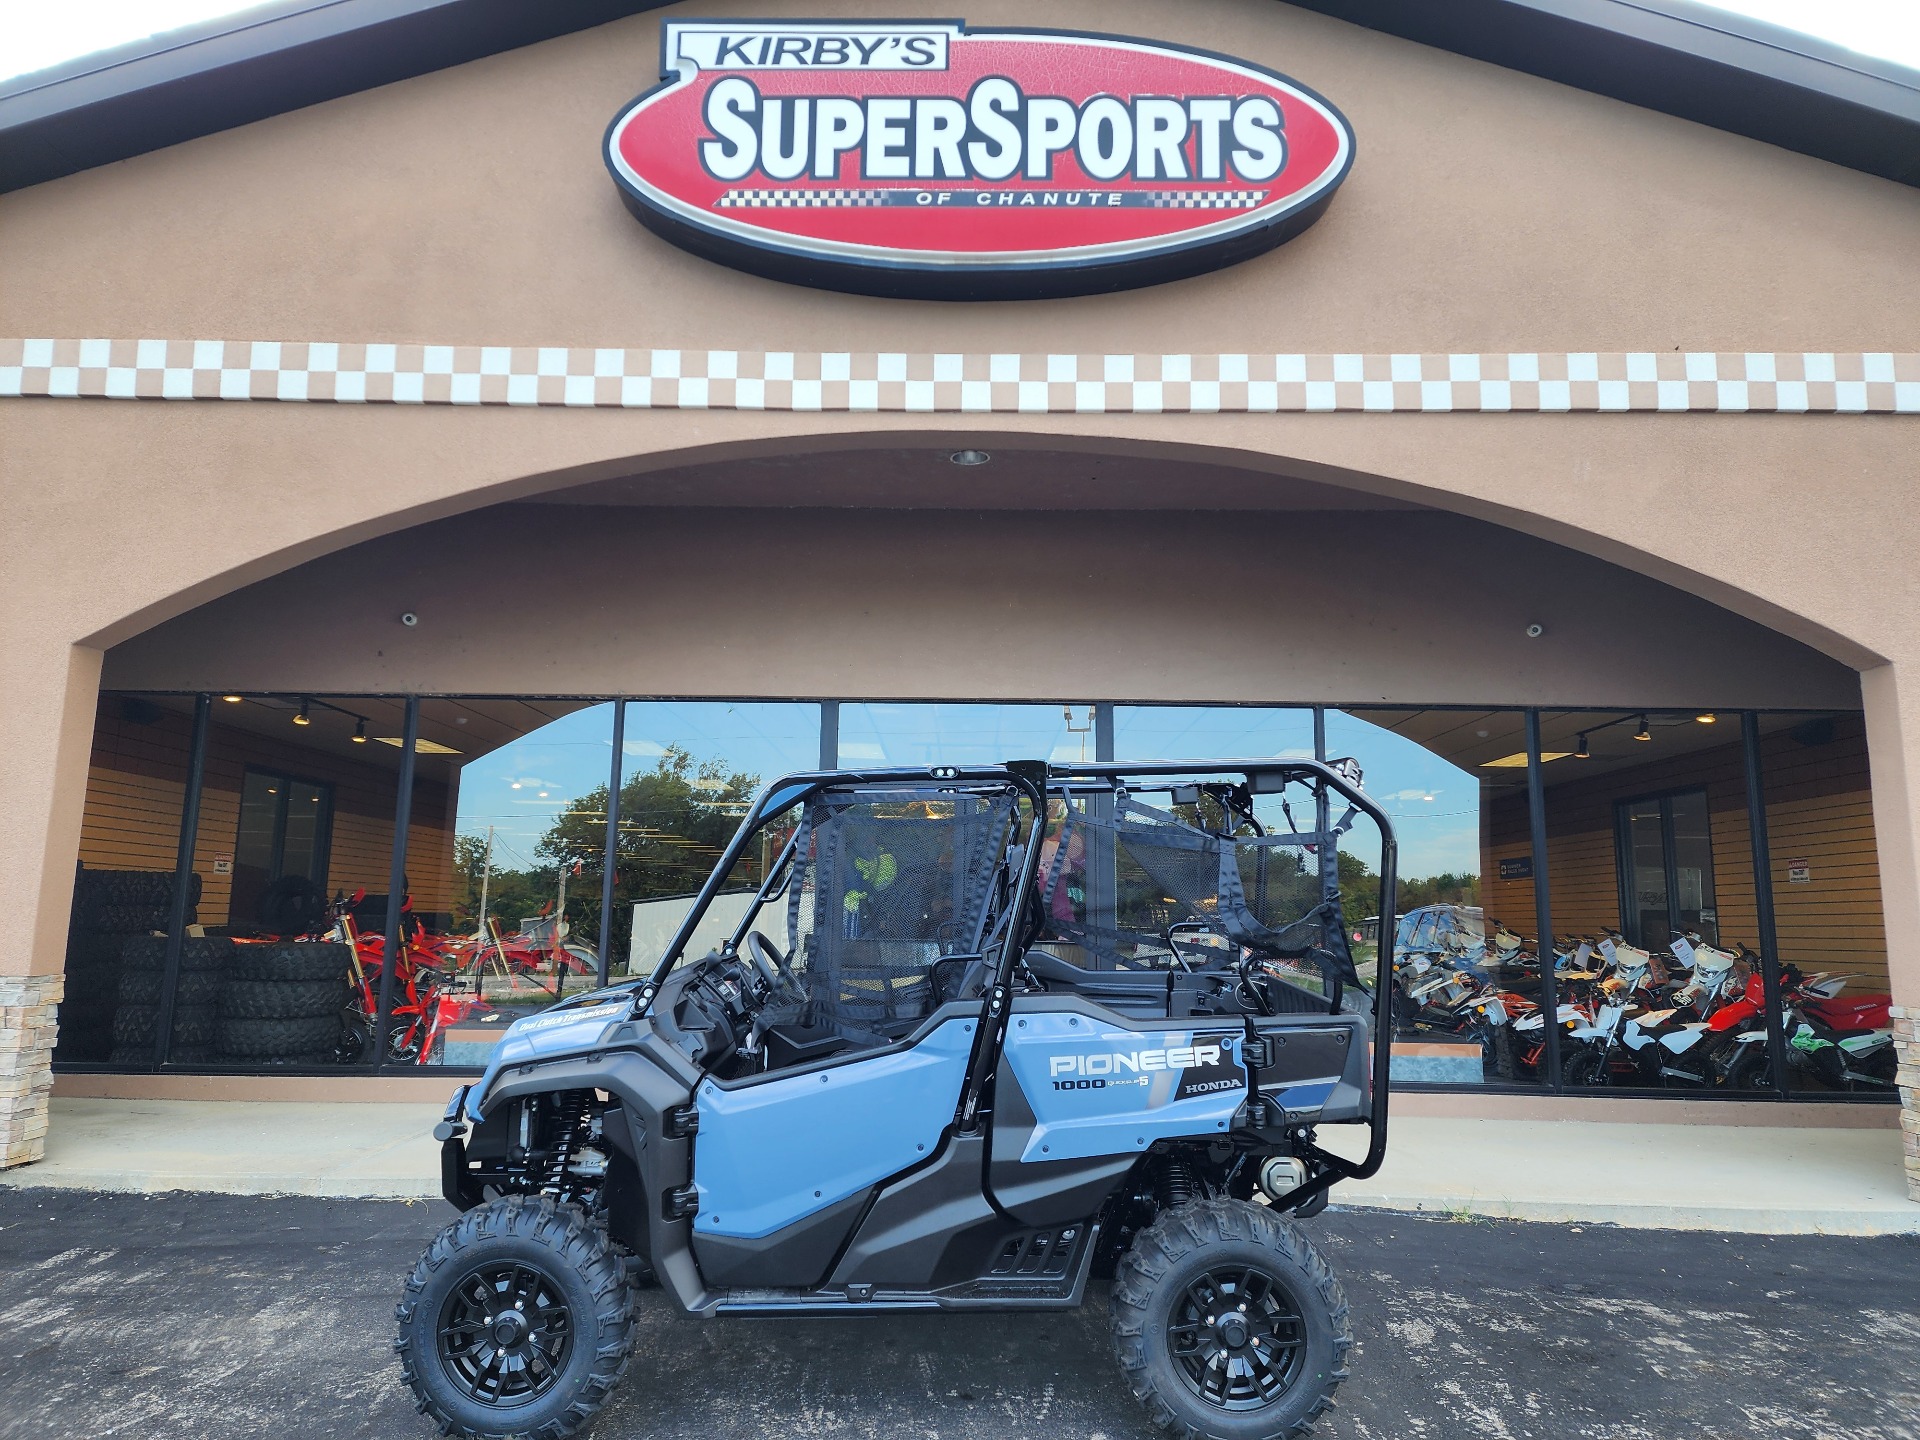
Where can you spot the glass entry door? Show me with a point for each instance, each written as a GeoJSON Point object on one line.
{"type": "Point", "coordinates": [1666, 869]}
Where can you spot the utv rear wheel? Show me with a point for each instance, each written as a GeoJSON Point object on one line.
{"type": "Point", "coordinates": [516, 1322]}
{"type": "Point", "coordinates": [1228, 1324]}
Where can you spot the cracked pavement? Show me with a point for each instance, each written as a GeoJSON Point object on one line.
{"type": "Point", "coordinates": [216, 1316]}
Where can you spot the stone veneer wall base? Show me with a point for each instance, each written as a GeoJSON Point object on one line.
{"type": "Point", "coordinates": [29, 1010]}
{"type": "Point", "coordinates": [1906, 1044]}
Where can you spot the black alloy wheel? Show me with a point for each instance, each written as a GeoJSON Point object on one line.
{"type": "Point", "coordinates": [516, 1322]}
{"type": "Point", "coordinates": [1237, 1337]}
{"type": "Point", "coordinates": [1228, 1323]}
{"type": "Point", "coordinates": [504, 1333]}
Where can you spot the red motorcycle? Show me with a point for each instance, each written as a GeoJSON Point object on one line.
{"type": "Point", "coordinates": [428, 996]}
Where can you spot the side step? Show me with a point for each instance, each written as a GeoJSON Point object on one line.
{"type": "Point", "coordinates": [1037, 1270]}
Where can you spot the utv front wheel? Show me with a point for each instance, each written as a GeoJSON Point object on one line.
{"type": "Point", "coordinates": [516, 1322]}
{"type": "Point", "coordinates": [1228, 1324]}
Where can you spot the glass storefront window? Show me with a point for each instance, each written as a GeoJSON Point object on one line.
{"type": "Point", "coordinates": [1826, 903]}
{"type": "Point", "coordinates": [1467, 986]}
{"type": "Point", "coordinates": [874, 733]}
{"type": "Point", "coordinates": [123, 891]}
{"type": "Point", "coordinates": [1657, 931]}
{"type": "Point", "coordinates": [1650, 874]}
{"type": "Point", "coordinates": [294, 850]}
{"type": "Point", "coordinates": [1211, 732]}
{"type": "Point", "coordinates": [506, 846]}
{"type": "Point", "coordinates": [690, 769]}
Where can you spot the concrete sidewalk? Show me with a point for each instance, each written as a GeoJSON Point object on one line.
{"type": "Point", "coordinates": [1752, 1179]}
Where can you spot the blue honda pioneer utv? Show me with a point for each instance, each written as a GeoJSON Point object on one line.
{"type": "Point", "coordinates": [1022, 1025]}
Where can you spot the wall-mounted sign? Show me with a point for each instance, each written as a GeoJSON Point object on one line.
{"type": "Point", "coordinates": [925, 159]}
{"type": "Point", "coordinates": [1799, 872]}
{"type": "Point", "coordinates": [1517, 869]}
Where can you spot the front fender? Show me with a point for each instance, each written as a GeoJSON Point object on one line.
{"type": "Point", "coordinates": [648, 1080]}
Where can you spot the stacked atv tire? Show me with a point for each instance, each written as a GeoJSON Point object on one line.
{"type": "Point", "coordinates": [196, 1000]}
{"type": "Point", "coordinates": [282, 1003]}
{"type": "Point", "coordinates": [111, 909]}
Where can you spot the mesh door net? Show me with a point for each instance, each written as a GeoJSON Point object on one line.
{"type": "Point", "coordinates": [1124, 878]}
{"type": "Point", "coordinates": [889, 883]}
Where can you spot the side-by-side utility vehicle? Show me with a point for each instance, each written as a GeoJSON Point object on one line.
{"type": "Point", "coordinates": [982, 1032]}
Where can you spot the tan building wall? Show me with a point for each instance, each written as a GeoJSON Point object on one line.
{"type": "Point", "coordinates": [1487, 210]}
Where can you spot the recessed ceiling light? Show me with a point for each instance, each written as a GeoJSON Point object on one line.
{"type": "Point", "coordinates": [231, 699]}
{"type": "Point", "coordinates": [420, 747]}
{"type": "Point", "coordinates": [1707, 717]}
{"type": "Point", "coordinates": [970, 457]}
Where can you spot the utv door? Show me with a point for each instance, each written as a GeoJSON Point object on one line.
{"type": "Point", "coordinates": [784, 1165]}
{"type": "Point", "coordinates": [785, 1161]}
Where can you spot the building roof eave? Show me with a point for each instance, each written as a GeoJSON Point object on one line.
{"type": "Point", "coordinates": [1691, 61]}
{"type": "Point", "coordinates": [1672, 56]}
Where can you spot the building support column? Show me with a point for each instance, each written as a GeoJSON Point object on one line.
{"type": "Point", "coordinates": [1893, 752]}
{"type": "Point", "coordinates": [47, 731]}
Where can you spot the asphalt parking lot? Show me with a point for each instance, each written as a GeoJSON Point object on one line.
{"type": "Point", "coordinates": [220, 1317]}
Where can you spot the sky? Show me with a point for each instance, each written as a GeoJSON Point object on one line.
{"type": "Point", "coordinates": [35, 36]}
{"type": "Point", "coordinates": [518, 790]}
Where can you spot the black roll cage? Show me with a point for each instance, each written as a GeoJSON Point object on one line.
{"type": "Point", "coordinates": [1033, 779]}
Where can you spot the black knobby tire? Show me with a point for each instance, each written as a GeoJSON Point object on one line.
{"type": "Point", "coordinates": [283, 1000]}
{"type": "Point", "coordinates": [149, 952]}
{"type": "Point", "coordinates": [292, 960]}
{"type": "Point", "coordinates": [125, 919]}
{"type": "Point", "coordinates": [136, 1025]}
{"type": "Point", "coordinates": [1751, 1071]}
{"type": "Point", "coordinates": [287, 1040]}
{"type": "Point", "coordinates": [88, 949]}
{"type": "Point", "coordinates": [1586, 1069]}
{"type": "Point", "coordinates": [147, 889]}
{"type": "Point", "coordinates": [196, 987]}
{"type": "Point", "coordinates": [1174, 1302]}
{"type": "Point", "coordinates": [1503, 1050]}
{"type": "Point", "coordinates": [567, 1262]}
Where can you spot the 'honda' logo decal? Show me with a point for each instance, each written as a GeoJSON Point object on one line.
{"type": "Point", "coordinates": [907, 158]}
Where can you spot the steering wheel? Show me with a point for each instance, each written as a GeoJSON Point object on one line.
{"type": "Point", "coordinates": [772, 965]}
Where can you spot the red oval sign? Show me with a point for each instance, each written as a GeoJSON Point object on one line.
{"type": "Point", "coordinates": [924, 158]}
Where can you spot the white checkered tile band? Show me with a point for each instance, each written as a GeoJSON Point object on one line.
{"type": "Point", "coordinates": [799, 199]}
{"type": "Point", "coordinates": [1825, 382]}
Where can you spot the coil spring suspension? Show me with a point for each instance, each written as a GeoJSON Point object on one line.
{"type": "Point", "coordinates": [568, 1121]}
{"type": "Point", "coordinates": [1175, 1183]}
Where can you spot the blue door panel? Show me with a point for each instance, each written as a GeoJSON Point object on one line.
{"type": "Point", "coordinates": [769, 1154]}
{"type": "Point", "coordinates": [1099, 1090]}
